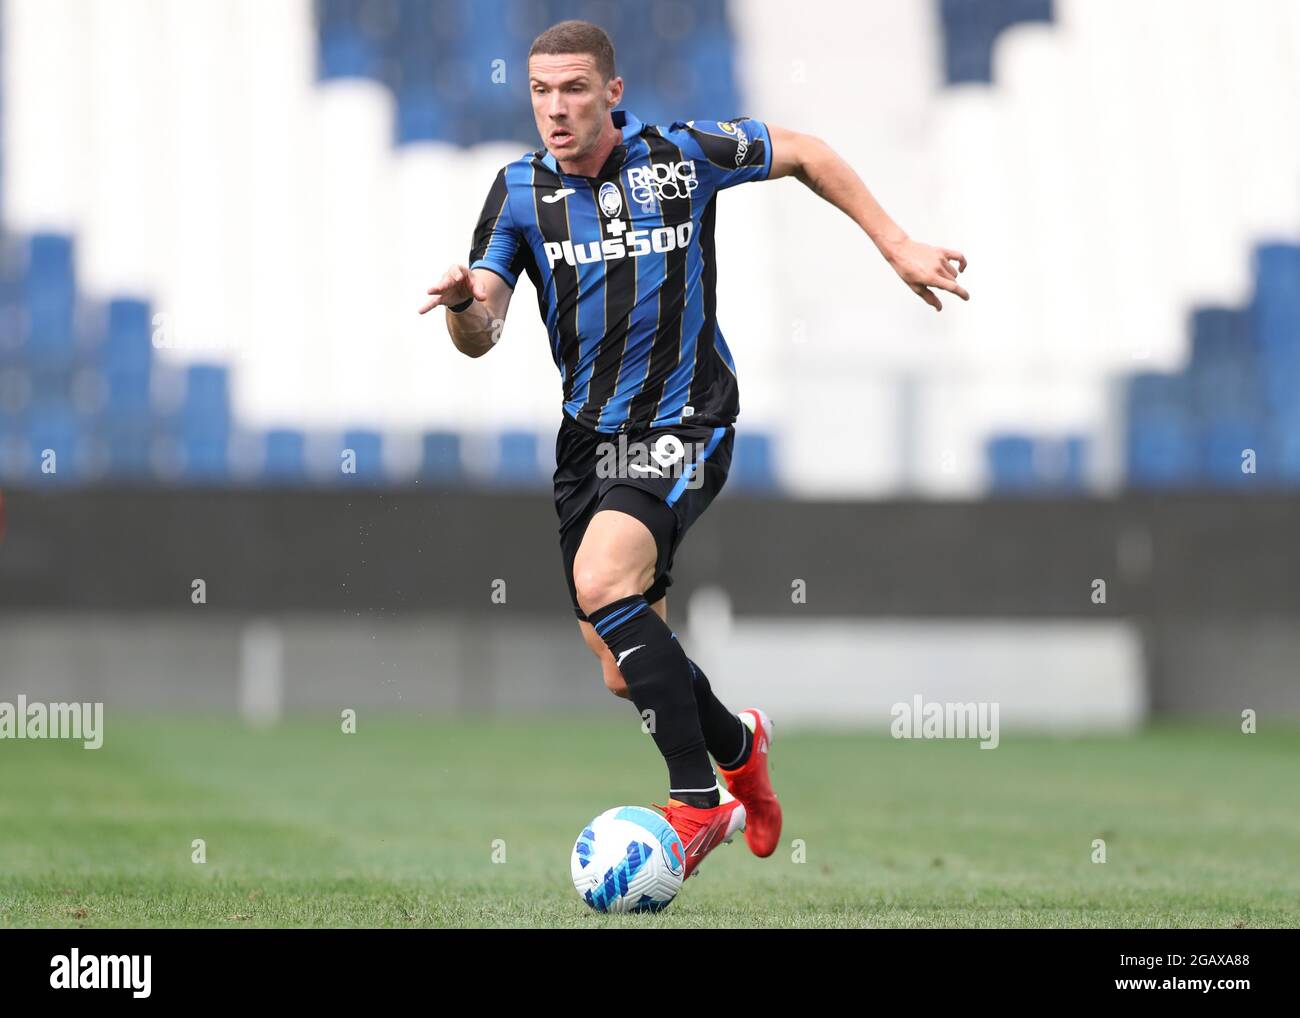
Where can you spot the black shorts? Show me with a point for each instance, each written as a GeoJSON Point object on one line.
{"type": "Point", "coordinates": [665, 477]}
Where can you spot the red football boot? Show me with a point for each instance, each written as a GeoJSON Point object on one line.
{"type": "Point", "coordinates": [703, 830]}
{"type": "Point", "coordinates": [751, 785]}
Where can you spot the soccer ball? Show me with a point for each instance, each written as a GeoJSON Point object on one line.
{"type": "Point", "coordinates": [628, 860]}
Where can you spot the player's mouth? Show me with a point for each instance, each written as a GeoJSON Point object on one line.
{"type": "Point", "coordinates": [561, 137]}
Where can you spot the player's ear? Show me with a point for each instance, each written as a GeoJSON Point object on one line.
{"type": "Point", "coordinates": [614, 91]}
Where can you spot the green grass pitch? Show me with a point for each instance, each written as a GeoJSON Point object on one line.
{"type": "Point", "coordinates": [398, 825]}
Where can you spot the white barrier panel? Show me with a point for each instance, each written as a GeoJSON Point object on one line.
{"type": "Point", "coordinates": [1057, 677]}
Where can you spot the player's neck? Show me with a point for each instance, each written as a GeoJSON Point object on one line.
{"type": "Point", "coordinates": [591, 164]}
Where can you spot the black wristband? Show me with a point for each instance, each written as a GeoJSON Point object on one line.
{"type": "Point", "coordinates": [458, 308]}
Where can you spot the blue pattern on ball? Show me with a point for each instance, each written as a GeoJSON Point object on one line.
{"type": "Point", "coordinates": [618, 876]}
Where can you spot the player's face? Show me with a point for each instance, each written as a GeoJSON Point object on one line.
{"type": "Point", "coordinates": [570, 102]}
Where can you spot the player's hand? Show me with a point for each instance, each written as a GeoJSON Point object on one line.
{"type": "Point", "coordinates": [455, 287]}
{"type": "Point", "coordinates": [922, 266]}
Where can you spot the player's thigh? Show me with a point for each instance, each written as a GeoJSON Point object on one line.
{"type": "Point", "coordinates": [616, 558]}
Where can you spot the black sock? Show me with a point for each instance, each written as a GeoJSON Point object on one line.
{"type": "Point", "coordinates": [727, 737]}
{"type": "Point", "coordinates": [658, 678]}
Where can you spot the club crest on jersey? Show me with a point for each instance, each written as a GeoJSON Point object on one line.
{"type": "Point", "coordinates": [660, 181]}
{"type": "Point", "coordinates": [611, 202]}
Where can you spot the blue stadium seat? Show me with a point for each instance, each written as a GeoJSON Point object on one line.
{"type": "Point", "coordinates": [368, 449]}
{"type": "Point", "coordinates": [1284, 470]}
{"type": "Point", "coordinates": [346, 53]}
{"type": "Point", "coordinates": [205, 423]}
{"type": "Point", "coordinates": [1151, 390]}
{"type": "Point", "coordinates": [479, 46]}
{"type": "Point", "coordinates": [126, 360]}
{"type": "Point", "coordinates": [971, 27]}
{"type": "Point", "coordinates": [1277, 297]}
{"type": "Point", "coordinates": [1275, 319]}
{"type": "Point", "coordinates": [1227, 387]}
{"type": "Point", "coordinates": [709, 54]}
{"type": "Point", "coordinates": [1220, 334]}
{"type": "Point", "coordinates": [1224, 371]}
{"type": "Point", "coordinates": [285, 456]}
{"type": "Point", "coordinates": [206, 460]}
{"type": "Point", "coordinates": [1224, 440]}
{"type": "Point", "coordinates": [1023, 464]}
{"type": "Point", "coordinates": [206, 409]}
{"type": "Point", "coordinates": [52, 426]}
{"type": "Point", "coordinates": [420, 116]}
{"type": "Point", "coordinates": [442, 457]}
{"type": "Point", "coordinates": [49, 296]}
{"type": "Point", "coordinates": [1077, 451]}
{"type": "Point", "coordinates": [1011, 463]}
{"type": "Point", "coordinates": [1162, 449]}
{"type": "Point", "coordinates": [752, 463]}
{"type": "Point", "coordinates": [518, 462]}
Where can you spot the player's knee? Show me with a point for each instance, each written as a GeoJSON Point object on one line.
{"type": "Point", "coordinates": [598, 587]}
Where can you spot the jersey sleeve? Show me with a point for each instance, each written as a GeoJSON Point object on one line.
{"type": "Point", "coordinates": [498, 244]}
{"type": "Point", "coordinates": [734, 151]}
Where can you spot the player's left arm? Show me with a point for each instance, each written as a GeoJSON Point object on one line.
{"type": "Point", "coordinates": [828, 176]}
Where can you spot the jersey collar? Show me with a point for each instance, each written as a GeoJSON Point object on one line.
{"type": "Point", "coordinates": [628, 124]}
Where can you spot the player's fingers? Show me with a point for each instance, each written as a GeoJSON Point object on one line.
{"type": "Point", "coordinates": [946, 269]}
{"type": "Point", "coordinates": [927, 296]}
{"type": "Point", "coordinates": [430, 305]}
{"type": "Point", "coordinates": [943, 283]}
{"type": "Point", "coordinates": [955, 256]}
{"type": "Point", "coordinates": [447, 281]}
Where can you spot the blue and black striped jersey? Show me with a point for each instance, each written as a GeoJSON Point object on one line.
{"type": "Point", "coordinates": [624, 268]}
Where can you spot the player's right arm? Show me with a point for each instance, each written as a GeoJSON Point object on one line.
{"type": "Point", "coordinates": [475, 330]}
{"type": "Point", "coordinates": [497, 256]}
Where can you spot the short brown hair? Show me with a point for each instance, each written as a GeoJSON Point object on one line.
{"type": "Point", "coordinates": [578, 37]}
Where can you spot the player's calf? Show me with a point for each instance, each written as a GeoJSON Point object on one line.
{"type": "Point", "coordinates": [659, 684]}
{"type": "Point", "coordinates": [614, 680]}
{"type": "Point", "coordinates": [612, 677]}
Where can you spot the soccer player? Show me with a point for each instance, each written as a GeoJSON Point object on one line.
{"type": "Point", "coordinates": [612, 221]}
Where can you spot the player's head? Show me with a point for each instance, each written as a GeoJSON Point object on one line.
{"type": "Point", "coordinates": [573, 85]}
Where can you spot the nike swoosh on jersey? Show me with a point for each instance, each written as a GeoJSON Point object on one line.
{"type": "Point", "coordinates": [563, 192]}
